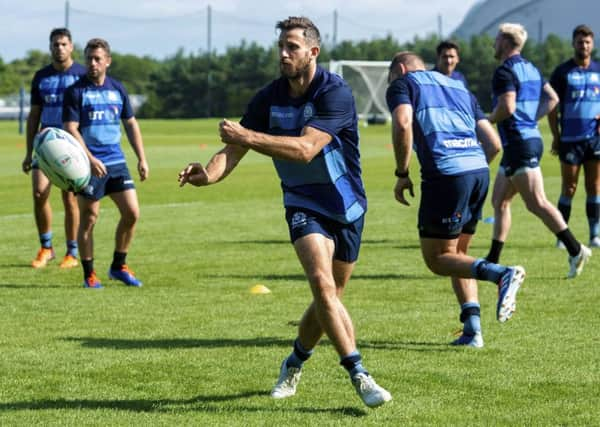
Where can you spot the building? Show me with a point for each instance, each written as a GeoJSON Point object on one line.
{"type": "Point", "coordinates": [540, 17]}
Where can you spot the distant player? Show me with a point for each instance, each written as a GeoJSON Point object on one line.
{"type": "Point", "coordinates": [306, 121]}
{"type": "Point", "coordinates": [575, 131]}
{"type": "Point", "coordinates": [447, 59]}
{"type": "Point", "coordinates": [520, 99]}
{"type": "Point", "coordinates": [443, 121]}
{"type": "Point", "coordinates": [47, 89]}
{"type": "Point", "coordinates": [93, 110]}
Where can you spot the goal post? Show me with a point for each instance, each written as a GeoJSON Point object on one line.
{"type": "Point", "coordinates": [368, 80]}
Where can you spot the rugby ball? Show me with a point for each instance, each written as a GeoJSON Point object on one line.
{"type": "Point", "coordinates": [62, 158]}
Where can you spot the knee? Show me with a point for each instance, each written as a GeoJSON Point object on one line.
{"type": "Point", "coordinates": [324, 288]}
{"type": "Point", "coordinates": [536, 205]}
{"type": "Point", "coordinates": [569, 189]}
{"type": "Point", "coordinates": [432, 261]}
{"type": "Point", "coordinates": [130, 218]}
{"type": "Point", "coordinates": [40, 196]}
{"type": "Point", "coordinates": [500, 203]}
{"type": "Point", "coordinates": [88, 218]}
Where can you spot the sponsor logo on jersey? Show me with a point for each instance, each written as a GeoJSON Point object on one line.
{"type": "Point", "coordinates": [460, 143]}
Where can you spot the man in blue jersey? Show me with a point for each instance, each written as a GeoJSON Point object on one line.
{"type": "Point", "coordinates": [93, 110]}
{"type": "Point", "coordinates": [442, 120]}
{"type": "Point", "coordinates": [47, 90]}
{"type": "Point", "coordinates": [306, 121]}
{"type": "Point", "coordinates": [447, 58]}
{"type": "Point", "coordinates": [576, 137]}
{"type": "Point", "coordinates": [520, 99]}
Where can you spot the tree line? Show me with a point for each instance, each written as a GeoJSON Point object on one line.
{"type": "Point", "coordinates": [219, 85]}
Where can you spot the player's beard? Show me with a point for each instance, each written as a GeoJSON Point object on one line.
{"type": "Point", "coordinates": [297, 71]}
{"type": "Point", "coordinates": [581, 55]}
{"type": "Point", "coordinates": [61, 58]}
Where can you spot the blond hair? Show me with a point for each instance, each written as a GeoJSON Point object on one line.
{"type": "Point", "coordinates": [516, 34]}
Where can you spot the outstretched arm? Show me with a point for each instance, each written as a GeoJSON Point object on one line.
{"type": "Point", "coordinates": [219, 166]}
{"type": "Point", "coordinates": [301, 148]}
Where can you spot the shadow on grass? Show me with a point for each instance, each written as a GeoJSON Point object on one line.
{"type": "Point", "coordinates": [29, 286]}
{"type": "Point", "coordinates": [199, 403]}
{"type": "Point", "coordinates": [140, 344]}
{"type": "Point", "coordinates": [302, 277]}
{"type": "Point", "coordinates": [385, 242]}
{"type": "Point", "coordinates": [172, 343]}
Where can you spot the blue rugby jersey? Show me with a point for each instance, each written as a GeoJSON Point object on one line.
{"type": "Point", "coordinates": [456, 75]}
{"type": "Point", "coordinates": [331, 183]}
{"type": "Point", "coordinates": [47, 89]}
{"type": "Point", "coordinates": [445, 116]}
{"type": "Point", "coordinates": [579, 92]}
{"type": "Point", "coordinates": [518, 75]}
{"type": "Point", "coordinates": [99, 111]}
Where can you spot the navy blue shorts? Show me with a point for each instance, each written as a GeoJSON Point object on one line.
{"type": "Point", "coordinates": [524, 154]}
{"type": "Point", "coordinates": [346, 237]}
{"type": "Point", "coordinates": [117, 179]}
{"type": "Point", "coordinates": [579, 152]}
{"type": "Point", "coordinates": [452, 205]}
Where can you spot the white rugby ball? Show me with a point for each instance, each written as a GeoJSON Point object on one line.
{"type": "Point", "coordinates": [62, 158]}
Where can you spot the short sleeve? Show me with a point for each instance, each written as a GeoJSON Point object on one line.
{"type": "Point", "coordinates": [36, 98]}
{"type": "Point", "coordinates": [558, 82]}
{"type": "Point", "coordinates": [256, 115]}
{"type": "Point", "coordinates": [334, 110]}
{"type": "Point", "coordinates": [477, 110]}
{"type": "Point", "coordinates": [70, 112]}
{"type": "Point", "coordinates": [127, 111]}
{"type": "Point", "coordinates": [503, 81]}
{"type": "Point", "coordinates": [398, 93]}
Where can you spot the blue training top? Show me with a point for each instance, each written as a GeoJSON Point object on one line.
{"type": "Point", "coordinates": [518, 75]}
{"type": "Point", "coordinates": [579, 92]}
{"type": "Point", "coordinates": [99, 110]}
{"type": "Point", "coordinates": [456, 75]}
{"type": "Point", "coordinates": [331, 182]}
{"type": "Point", "coordinates": [47, 89]}
{"type": "Point", "coordinates": [445, 116]}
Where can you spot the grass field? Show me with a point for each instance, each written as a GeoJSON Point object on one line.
{"type": "Point", "coordinates": [195, 347]}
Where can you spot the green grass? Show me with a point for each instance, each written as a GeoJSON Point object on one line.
{"type": "Point", "coordinates": [195, 347]}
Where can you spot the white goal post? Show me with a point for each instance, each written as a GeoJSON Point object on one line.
{"type": "Point", "coordinates": [368, 80]}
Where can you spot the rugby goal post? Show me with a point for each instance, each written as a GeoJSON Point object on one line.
{"type": "Point", "coordinates": [368, 80]}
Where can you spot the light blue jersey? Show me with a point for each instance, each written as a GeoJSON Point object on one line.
{"type": "Point", "coordinates": [99, 111]}
{"type": "Point", "coordinates": [518, 75]}
{"type": "Point", "coordinates": [445, 119]}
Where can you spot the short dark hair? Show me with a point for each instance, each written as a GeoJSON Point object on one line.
{"type": "Point", "coordinates": [310, 33]}
{"type": "Point", "coordinates": [60, 32]}
{"type": "Point", "coordinates": [582, 30]}
{"type": "Point", "coordinates": [97, 44]}
{"type": "Point", "coordinates": [445, 45]}
{"type": "Point", "coordinates": [408, 58]}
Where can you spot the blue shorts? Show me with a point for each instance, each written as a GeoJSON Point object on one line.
{"type": "Point", "coordinates": [346, 237]}
{"type": "Point", "coordinates": [452, 205]}
{"type": "Point", "coordinates": [524, 154]}
{"type": "Point", "coordinates": [117, 179]}
{"type": "Point", "coordinates": [579, 152]}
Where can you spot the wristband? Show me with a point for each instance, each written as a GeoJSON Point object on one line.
{"type": "Point", "coordinates": [399, 174]}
